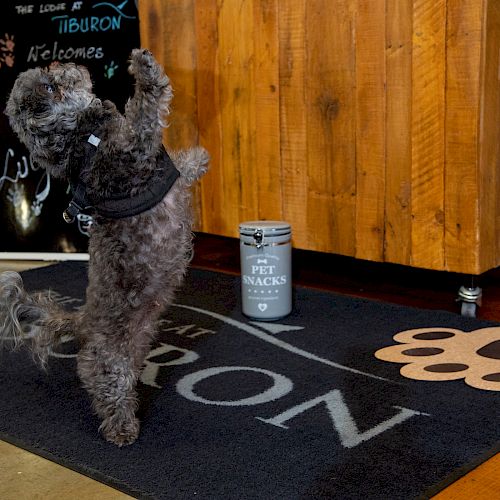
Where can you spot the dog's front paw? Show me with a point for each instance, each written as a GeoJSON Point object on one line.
{"type": "Point", "coordinates": [141, 58]}
{"type": "Point", "coordinates": [192, 163]}
{"type": "Point", "coordinates": [118, 431]}
{"type": "Point", "coordinates": [146, 70]}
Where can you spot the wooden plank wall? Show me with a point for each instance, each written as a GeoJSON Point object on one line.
{"type": "Point", "coordinates": [369, 125]}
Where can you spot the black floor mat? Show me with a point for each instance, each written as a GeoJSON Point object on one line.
{"type": "Point", "coordinates": [233, 409]}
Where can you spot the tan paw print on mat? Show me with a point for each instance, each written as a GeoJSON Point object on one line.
{"type": "Point", "coordinates": [439, 354]}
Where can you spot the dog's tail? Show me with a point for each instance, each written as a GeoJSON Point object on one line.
{"type": "Point", "coordinates": [191, 163]}
{"type": "Point", "coordinates": [34, 320]}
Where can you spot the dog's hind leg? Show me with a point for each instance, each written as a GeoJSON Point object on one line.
{"type": "Point", "coordinates": [110, 380]}
{"type": "Point", "coordinates": [109, 365]}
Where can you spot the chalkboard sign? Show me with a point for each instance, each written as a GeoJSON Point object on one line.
{"type": "Point", "coordinates": [97, 34]}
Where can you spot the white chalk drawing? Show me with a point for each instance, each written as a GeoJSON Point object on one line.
{"type": "Point", "coordinates": [25, 211]}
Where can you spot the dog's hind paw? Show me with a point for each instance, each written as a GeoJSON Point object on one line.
{"type": "Point", "coordinates": [120, 432]}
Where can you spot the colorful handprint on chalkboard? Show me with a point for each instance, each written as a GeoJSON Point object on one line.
{"type": "Point", "coordinates": [109, 71]}
{"type": "Point", "coordinates": [7, 45]}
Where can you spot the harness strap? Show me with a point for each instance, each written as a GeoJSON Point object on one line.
{"type": "Point", "coordinates": [78, 204]}
{"type": "Point", "coordinates": [122, 205]}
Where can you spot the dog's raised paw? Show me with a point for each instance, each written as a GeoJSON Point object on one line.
{"type": "Point", "coordinates": [146, 70]}
{"type": "Point", "coordinates": [141, 60]}
{"type": "Point", "coordinates": [142, 56]}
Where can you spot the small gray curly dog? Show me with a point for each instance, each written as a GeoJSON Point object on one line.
{"type": "Point", "coordinates": [136, 261]}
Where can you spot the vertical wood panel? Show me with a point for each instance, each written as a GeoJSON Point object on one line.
{"type": "Point", "coordinates": [399, 32]}
{"type": "Point", "coordinates": [180, 66]}
{"type": "Point", "coordinates": [267, 113]}
{"type": "Point", "coordinates": [331, 134]}
{"type": "Point", "coordinates": [370, 129]}
{"type": "Point", "coordinates": [489, 185]}
{"type": "Point", "coordinates": [293, 118]}
{"type": "Point", "coordinates": [429, 26]}
{"type": "Point", "coordinates": [463, 47]}
{"type": "Point", "coordinates": [150, 25]}
{"type": "Point", "coordinates": [209, 121]}
{"type": "Point", "coordinates": [236, 63]}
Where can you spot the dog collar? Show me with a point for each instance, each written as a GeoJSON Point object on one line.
{"type": "Point", "coordinates": [121, 205]}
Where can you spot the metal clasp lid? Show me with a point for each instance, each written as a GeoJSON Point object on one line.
{"type": "Point", "coordinates": [258, 236]}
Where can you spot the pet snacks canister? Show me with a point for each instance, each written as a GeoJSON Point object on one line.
{"type": "Point", "coordinates": [266, 269]}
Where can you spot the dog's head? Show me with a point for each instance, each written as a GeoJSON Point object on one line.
{"type": "Point", "coordinates": [43, 108]}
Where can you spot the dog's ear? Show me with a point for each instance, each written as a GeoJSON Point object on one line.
{"type": "Point", "coordinates": [22, 101]}
{"type": "Point", "coordinates": [17, 118]}
{"type": "Point", "coordinates": [69, 76]}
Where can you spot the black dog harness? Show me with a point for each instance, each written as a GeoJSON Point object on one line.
{"type": "Point", "coordinates": [121, 205]}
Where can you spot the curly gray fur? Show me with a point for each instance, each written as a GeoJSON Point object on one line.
{"type": "Point", "coordinates": [31, 319]}
{"type": "Point", "coordinates": [136, 263]}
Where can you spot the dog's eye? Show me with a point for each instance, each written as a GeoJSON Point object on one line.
{"type": "Point", "coordinates": [50, 88]}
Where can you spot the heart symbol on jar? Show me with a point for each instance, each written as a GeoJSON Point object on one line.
{"type": "Point", "coordinates": [262, 307]}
